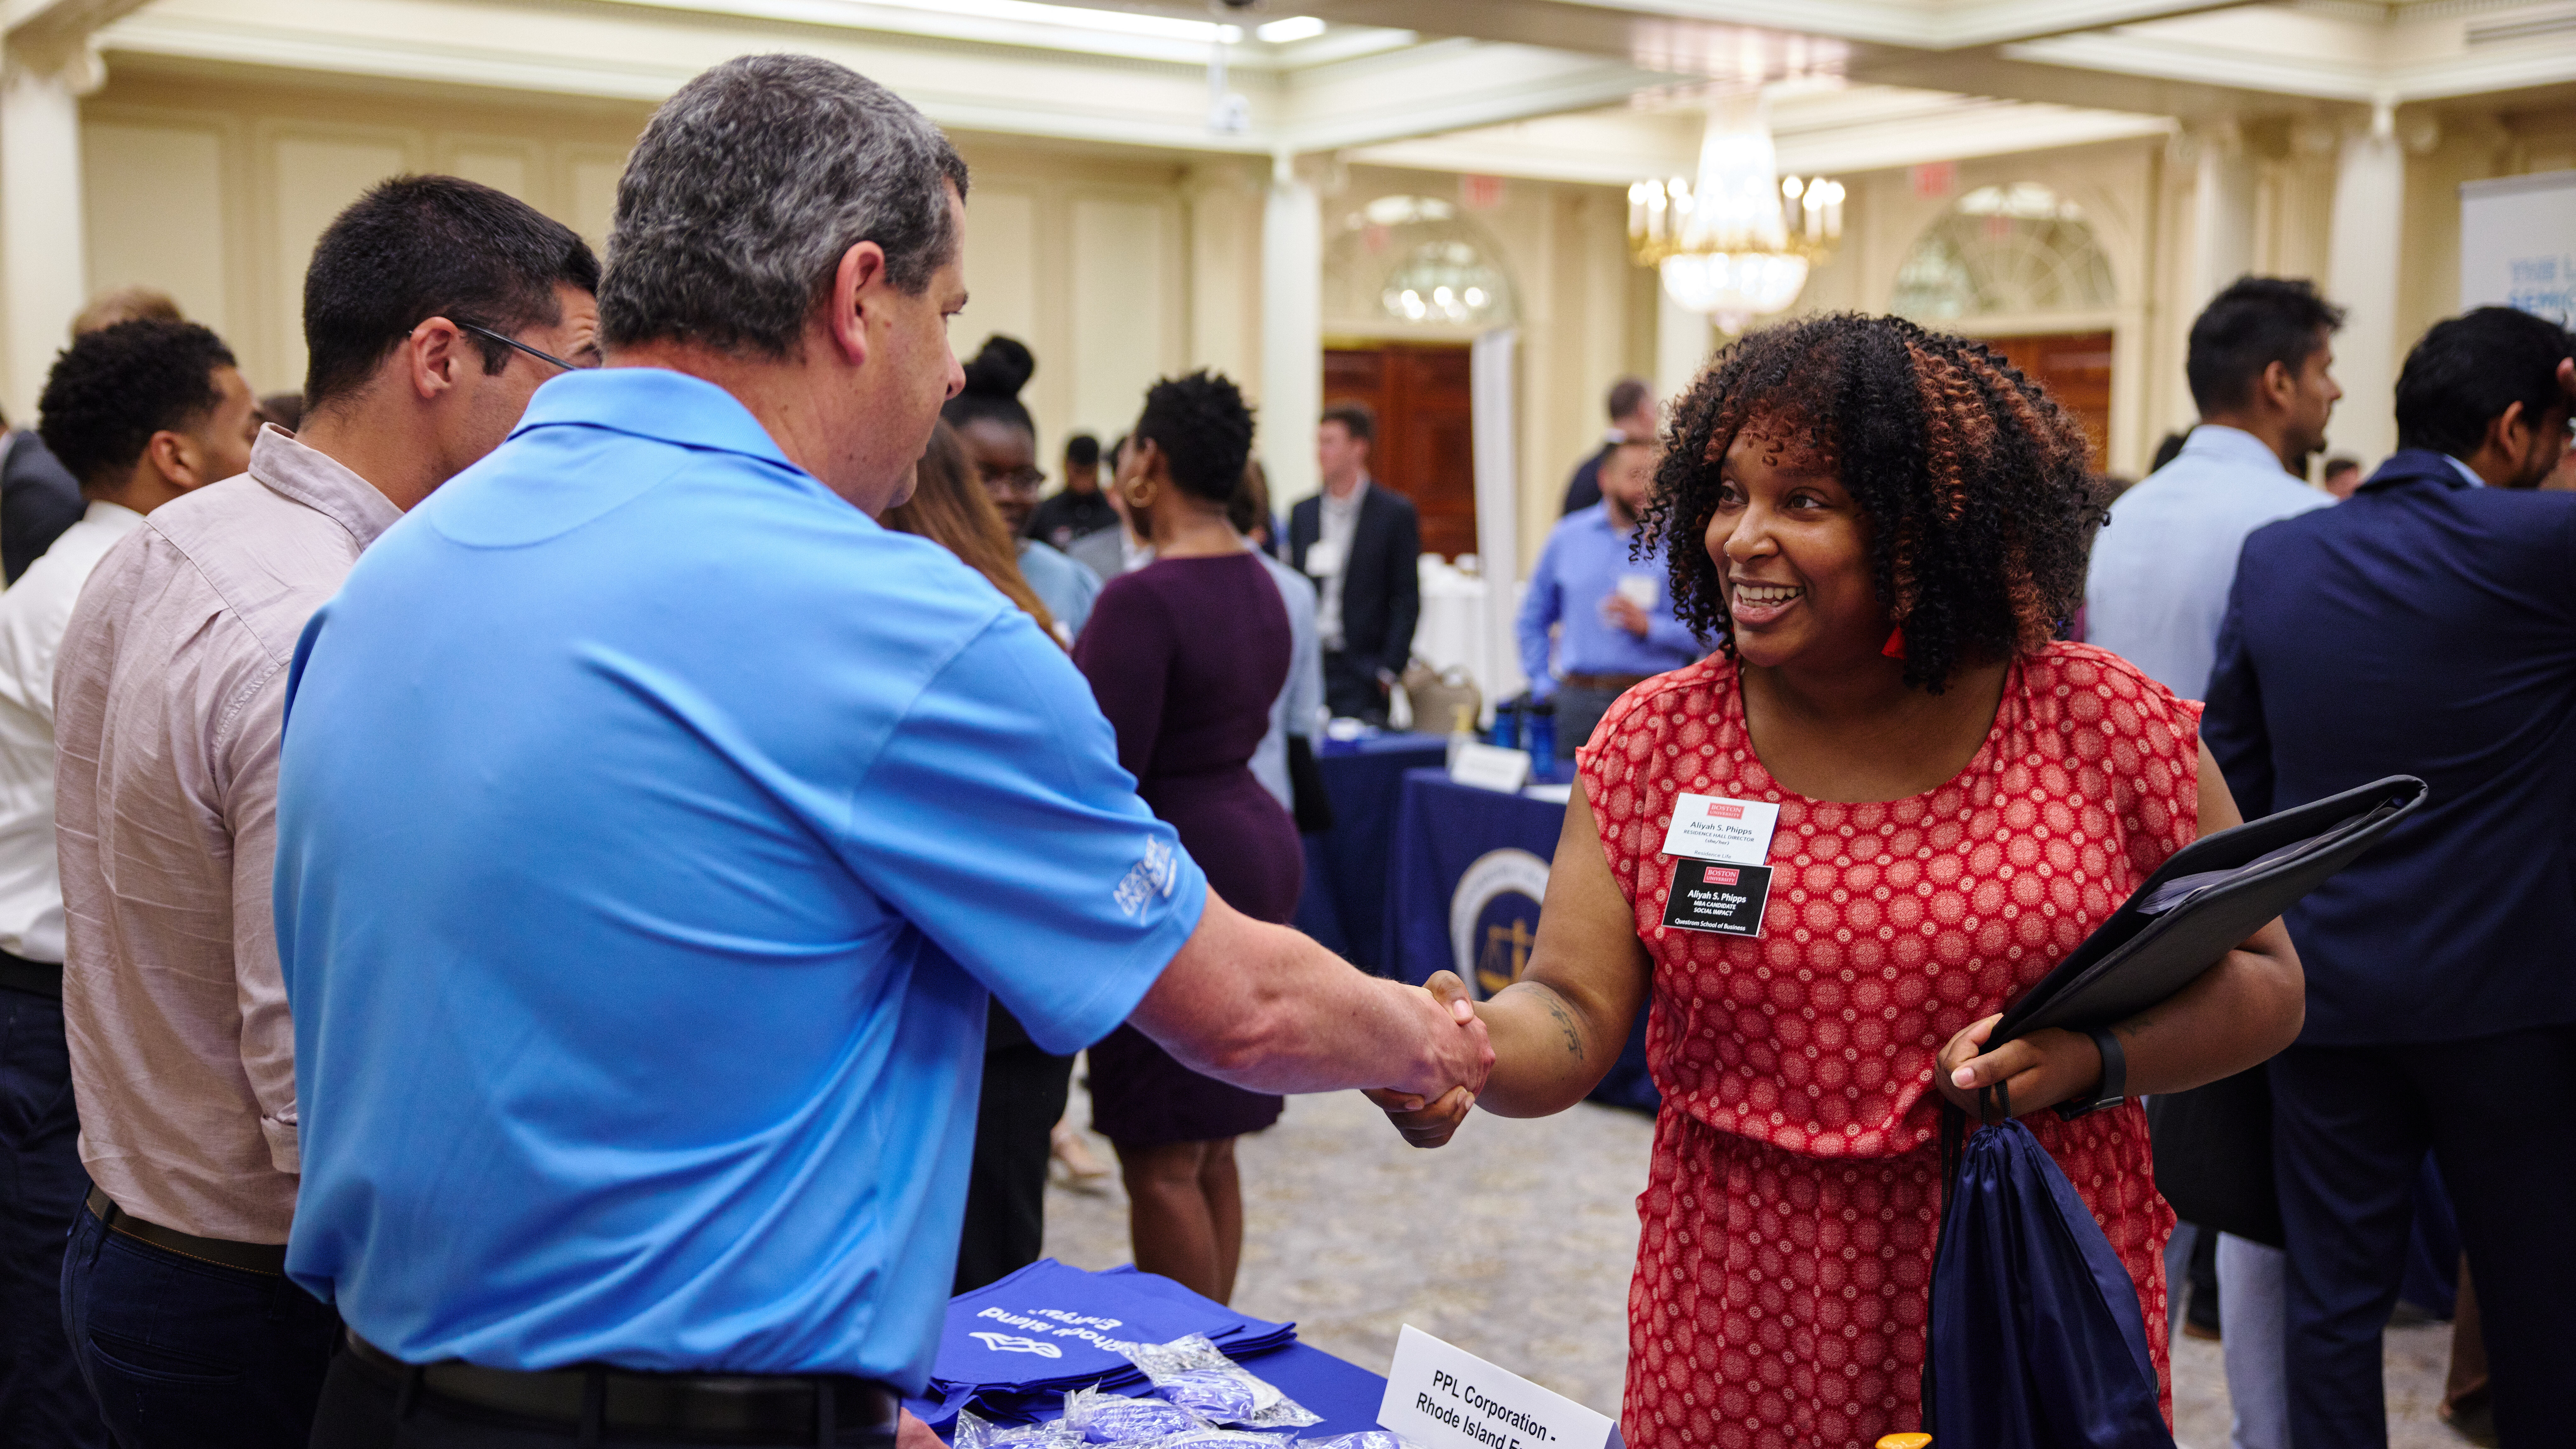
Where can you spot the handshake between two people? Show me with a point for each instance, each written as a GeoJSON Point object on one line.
{"type": "Point", "coordinates": [1430, 1119]}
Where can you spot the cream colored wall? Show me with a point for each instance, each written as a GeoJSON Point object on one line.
{"type": "Point", "coordinates": [1087, 257]}
{"type": "Point", "coordinates": [216, 192]}
{"type": "Point", "coordinates": [2116, 183]}
{"type": "Point", "coordinates": [1587, 314]}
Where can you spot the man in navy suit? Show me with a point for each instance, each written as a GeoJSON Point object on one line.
{"type": "Point", "coordinates": [1362, 545]}
{"type": "Point", "coordinates": [2428, 627]}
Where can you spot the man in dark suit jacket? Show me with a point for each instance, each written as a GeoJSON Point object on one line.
{"type": "Point", "coordinates": [1632, 420]}
{"type": "Point", "coordinates": [39, 499]}
{"type": "Point", "coordinates": [1359, 542]}
{"type": "Point", "coordinates": [2427, 627]}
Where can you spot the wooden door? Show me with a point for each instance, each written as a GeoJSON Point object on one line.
{"type": "Point", "coordinates": [1425, 442]}
{"type": "Point", "coordinates": [2075, 367]}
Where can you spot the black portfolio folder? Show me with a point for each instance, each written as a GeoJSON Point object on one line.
{"type": "Point", "coordinates": [2211, 895]}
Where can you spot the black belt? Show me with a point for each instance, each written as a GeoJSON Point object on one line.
{"type": "Point", "coordinates": [267, 1258]}
{"type": "Point", "coordinates": [1606, 683]}
{"type": "Point", "coordinates": [739, 1408]}
{"type": "Point", "coordinates": [36, 978]}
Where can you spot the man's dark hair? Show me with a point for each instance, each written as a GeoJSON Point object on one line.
{"type": "Point", "coordinates": [112, 389]}
{"type": "Point", "coordinates": [2256, 322]}
{"type": "Point", "coordinates": [1082, 450]}
{"type": "Point", "coordinates": [748, 187]}
{"type": "Point", "coordinates": [1204, 430]}
{"type": "Point", "coordinates": [418, 247]}
{"type": "Point", "coordinates": [1626, 396]}
{"type": "Point", "coordinates": [1973, 478]}
{"type": "Point", "coordinates": [2468, 369]}
{"type": "Point", "coordinates": [2340, 463]}
{"type": "Point", "coordinates": [1357, 419]}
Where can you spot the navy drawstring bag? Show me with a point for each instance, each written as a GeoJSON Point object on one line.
{"type": "Point", "coordinates": [2037, 1340]}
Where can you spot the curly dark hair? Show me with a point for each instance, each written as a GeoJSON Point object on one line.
{"type": "Point", "coordinates": [112, 389]}
{"type": "Point", "coordinates": [1973, 479]}
{"type": "Point", "coordinates": [1204, 429]}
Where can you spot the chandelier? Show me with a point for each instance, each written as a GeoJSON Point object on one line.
{"type": "Point", "coordinates": [1737, 243]}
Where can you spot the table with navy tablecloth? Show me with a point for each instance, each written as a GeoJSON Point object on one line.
{"type": "Point", "coordinates": [1469, 873]}
{"type": "Point", "coordinates": [1344, 903]}
{"type": "Point", "coordinates": [1010, 1350]}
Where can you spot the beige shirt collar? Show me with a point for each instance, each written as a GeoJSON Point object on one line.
{"type": "Point", "coordinates": [321, 483]}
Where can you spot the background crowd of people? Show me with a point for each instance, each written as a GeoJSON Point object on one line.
{"type": "Point", "coordinates": [491, 1032]}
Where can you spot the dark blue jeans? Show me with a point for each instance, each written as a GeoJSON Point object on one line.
{"type": "Point", "coordinates": [42, 1398]}
{"type": "Point", "coordinates": [186, 1354]}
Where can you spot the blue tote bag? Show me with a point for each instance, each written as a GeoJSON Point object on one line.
{"type": "Point", "coordinates": [2037, 1340]}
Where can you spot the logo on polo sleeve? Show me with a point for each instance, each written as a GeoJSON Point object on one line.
{"type": "Point", "coordinates": [1154, 875]}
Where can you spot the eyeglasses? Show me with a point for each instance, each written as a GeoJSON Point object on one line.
{"type": "Point", "coordinates": [508, 341]}
{"type": "Point", "coordinates": [1015, 480]}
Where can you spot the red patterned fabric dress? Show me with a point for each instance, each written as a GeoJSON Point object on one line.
{"type": "Point", "coordinates": [1788, 1226]}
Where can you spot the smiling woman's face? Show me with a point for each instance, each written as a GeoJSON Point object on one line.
{"type": "Point", "coordinates": [1793, 548]}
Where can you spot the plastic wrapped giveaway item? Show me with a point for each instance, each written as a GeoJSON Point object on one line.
{"type": "Point", "coordinates": [1196, 1375]}
{"type": "Point", "coordinates": [976, 1433]}
{"type": "Point", "coordinates": [1098, 1418]}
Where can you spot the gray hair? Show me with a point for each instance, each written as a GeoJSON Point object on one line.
{"type": "Point", "coordinates": [747, 188]}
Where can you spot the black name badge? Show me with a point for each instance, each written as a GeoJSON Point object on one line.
{"type": "Point", "coordinates": [1727, 899]}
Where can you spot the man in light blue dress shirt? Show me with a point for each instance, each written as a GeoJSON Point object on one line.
{"type": "Point", "coordinates": [1612, 615]}
{"type": "Point", "coordinates": [2260, 366]}
{"type": "Point", "coordinates": [2260, 369]}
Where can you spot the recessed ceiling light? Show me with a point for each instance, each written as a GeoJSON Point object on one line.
{"type": "Point", "coordinates": [1291, 30]}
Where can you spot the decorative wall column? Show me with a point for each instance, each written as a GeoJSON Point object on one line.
{"type": "Point", "coordinates": [1292, 332]}
{"type": "Point", "coordinates": [2361, 276]}
{"type": "Point", "coordinates": [44, 268]}
{"type": "Point", "coordinates": [2222, 241]}
{"type": "Point", "coordinates": [1683, 341]}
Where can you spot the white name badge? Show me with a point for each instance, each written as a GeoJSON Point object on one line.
{"type": "Point", "coordinates": [1712, 827]}
{"type": "Point", "coordinates": [1442, 1397]}
{"type": "Point", "coordinates": [1323, 558]}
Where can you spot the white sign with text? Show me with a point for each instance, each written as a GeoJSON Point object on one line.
{"type": "Point", "coordinates": [1490, 767]}
{"type": "Point", "coordinates": [1443, 1397]}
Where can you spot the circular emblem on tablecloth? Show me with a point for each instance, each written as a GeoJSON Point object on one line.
{"type": "Point", "coordinates": [1493, 918]}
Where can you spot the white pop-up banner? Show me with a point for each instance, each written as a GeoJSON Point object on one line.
{"type": "Point", "coordinates": [1443, 1397]}
{"type": "Point", "coordinates": [2518, 244]}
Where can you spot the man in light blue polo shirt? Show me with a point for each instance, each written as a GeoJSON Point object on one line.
{"type": "Point", "coordinates": [653, 825]}
{"type": "Point", "coordinates": [2260, 367]}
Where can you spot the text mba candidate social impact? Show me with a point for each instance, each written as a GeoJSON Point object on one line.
{"type": "Point", "coordinates": [1443, 1397]}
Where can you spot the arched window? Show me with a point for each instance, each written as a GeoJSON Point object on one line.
{"type": "Point", "coordinates": [2015, 250]}
{"type": "Point", "coordinates": [1414, 261]}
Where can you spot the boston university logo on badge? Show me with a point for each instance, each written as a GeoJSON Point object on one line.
{"type": "Point", "coordinates": [1493, 918]}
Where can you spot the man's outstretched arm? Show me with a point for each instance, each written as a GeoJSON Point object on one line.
{"type": "Point", "coordinates": [1265, 1008]}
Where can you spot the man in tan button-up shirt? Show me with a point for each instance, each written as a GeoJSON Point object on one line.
{"type": "Point", "coordinates": [433, 309]}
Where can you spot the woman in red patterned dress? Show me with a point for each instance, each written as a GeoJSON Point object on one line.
{"type": "Point", "coordinates": [1885, 528]}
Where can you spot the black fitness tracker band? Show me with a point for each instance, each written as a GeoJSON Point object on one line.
{"type": "Point", "coordinates": [2115, 1079]}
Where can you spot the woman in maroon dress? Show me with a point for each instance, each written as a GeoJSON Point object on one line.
{"type": "Point", "coordinates": [1185, 656]}
{"type": "Point", "coordinates": [1885, 528]}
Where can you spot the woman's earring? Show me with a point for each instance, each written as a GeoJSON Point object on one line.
{"type": "Point", "coordinates": [1894, 648]}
